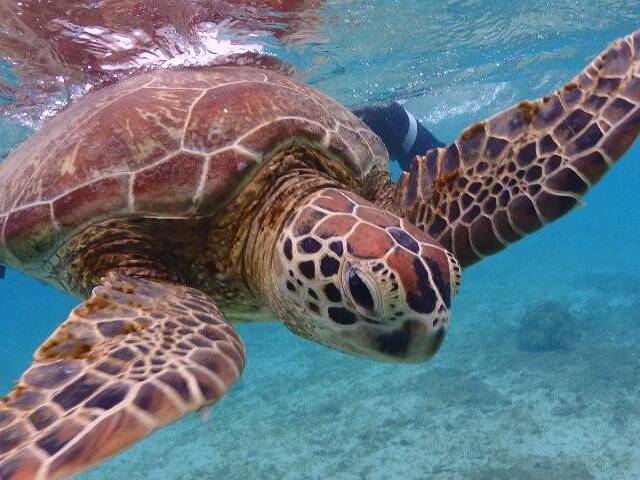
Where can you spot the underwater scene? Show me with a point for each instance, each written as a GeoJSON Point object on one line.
{"type": "Point", "coordinates": [538, 375]}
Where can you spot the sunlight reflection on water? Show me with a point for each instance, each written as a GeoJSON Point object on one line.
{"type": "Point", "coordinates": [465, 54]}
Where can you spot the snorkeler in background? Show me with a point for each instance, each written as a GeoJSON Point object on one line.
{"type": "Point", "coordinates": [403, 135]}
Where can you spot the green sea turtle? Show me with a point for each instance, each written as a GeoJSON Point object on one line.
{"type": "Point", "coordinates": [177, 202]}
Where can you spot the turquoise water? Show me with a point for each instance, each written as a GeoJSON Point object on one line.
{"type": "Point", "coordinates": [484, 407]}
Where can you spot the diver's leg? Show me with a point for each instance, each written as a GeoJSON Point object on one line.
{"type": "Point", "coordinates": [403, 135]}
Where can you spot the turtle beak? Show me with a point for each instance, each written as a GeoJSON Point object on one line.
{"type": "Point", "coordinates": [411, 343]}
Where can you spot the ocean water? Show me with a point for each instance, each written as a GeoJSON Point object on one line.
{"type": "Point", "coordinates": [489, 405]}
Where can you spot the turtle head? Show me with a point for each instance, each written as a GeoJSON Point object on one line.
{"type": "Point", "coordinates": [359, 279]}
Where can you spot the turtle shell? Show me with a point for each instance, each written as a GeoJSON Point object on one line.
{"type": "Point", "coordinates": [171, 143]}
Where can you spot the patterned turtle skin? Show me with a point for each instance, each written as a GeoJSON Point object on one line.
{"type": "Point", "coordinates": [509, 175]}
{"type": "Point", "coordinates": [178, 202]}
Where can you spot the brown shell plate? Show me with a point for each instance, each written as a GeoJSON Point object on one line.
{"type": "Point", "coordinates": [172, 143]}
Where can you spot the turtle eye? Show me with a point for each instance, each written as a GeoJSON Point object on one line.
{"type": "Point", "coordinates": [360, 293]}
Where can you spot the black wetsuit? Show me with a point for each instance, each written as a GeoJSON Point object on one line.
{"type": "Point", "coordinates": [399, 130]}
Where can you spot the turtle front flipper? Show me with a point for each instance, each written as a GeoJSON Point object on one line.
{"type": "Point", "coordinates": [135, 356]}
{"type": "Point", "coordinates": [507, 176]}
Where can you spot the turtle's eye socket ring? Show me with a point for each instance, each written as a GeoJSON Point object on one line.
{"type": "Point", "coordinates": [362, 292]}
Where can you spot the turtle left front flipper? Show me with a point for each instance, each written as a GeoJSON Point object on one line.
{"type": "Point", "coordinates": [136, 355]}
{"type": "Point", "coordinates": [509, 175]}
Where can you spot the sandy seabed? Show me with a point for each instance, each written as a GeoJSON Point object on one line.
{"type": "Point", "coordinates": [483, 409]}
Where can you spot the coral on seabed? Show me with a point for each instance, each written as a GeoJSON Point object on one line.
{"type": "Point", "coordinates": [546, 326]}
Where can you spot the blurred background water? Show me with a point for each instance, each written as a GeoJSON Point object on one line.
{"type": "Point", "coordinates": [502, 400]}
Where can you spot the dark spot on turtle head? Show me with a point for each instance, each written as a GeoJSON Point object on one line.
{"type": "Point", "coordinates": [313, 307]}
{"type": "Point", "coordinates": [287, 248]}
{"type": "Point", "coordinates": [377, 267]}
{"type": "Point", "coordinates": [342, 316]}
{"type": "Point", "coordinates": [404, 239]}
{"type": "Point", "coordinates": [360, 292]}
{"type": "Point", "coordinates": [337, 248]}
{"type": "Point", "coordinates": [329, 266]}
{"type": "Point", "coordinates": [312, 293]}
{"type": "Point", "coordinates": [396, 343]}
{"type": "Point", "coordinates": [438, 337]}
{"type": "Point", "coordinates": [302, 229]}
{"type": "Point", "coordinates": [442, 285]}
{"type": "Point", "coordinates": [308, 269]}
{"type": "Point", "coordinates": [309, 245]}
{"type": "Point", "coordinates": [332, 293]}
{"type": "Point", "coordinates": [421, 298]}
{"type": "Point", "coordinates": [291, 287]}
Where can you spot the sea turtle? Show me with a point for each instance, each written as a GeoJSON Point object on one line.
{"type": "Point", "coordinates": [177, 202]}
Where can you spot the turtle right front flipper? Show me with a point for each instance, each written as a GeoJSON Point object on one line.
{"type": "Point", "coordinates": [135, 356]}
{"type": "Point", "coordinates": [507, 176]}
